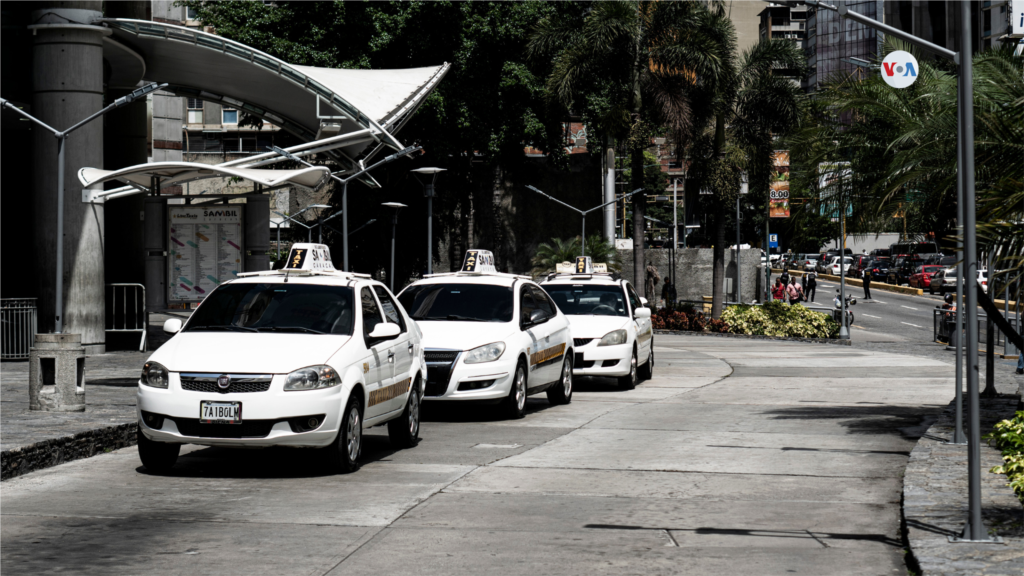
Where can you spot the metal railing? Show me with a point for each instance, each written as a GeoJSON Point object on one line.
{"type": "Point", "coordinates": [126, 310]}
{"type": "Point", "coordinates": [18, 327]}
{"type": "Point", "coordinates": [944, 326]}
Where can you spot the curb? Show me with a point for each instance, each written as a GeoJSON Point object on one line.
{"type": "Point", "coordinates": [19, 461]}
{"type": "Point", "coordinates": [856, 282]}
{"type": "Point", "coordinates": [836, 342]}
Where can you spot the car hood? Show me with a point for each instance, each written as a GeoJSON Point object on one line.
{"type": "Point", "coordinates": [246, 352]}
{"type": "Point", "coordinates": [454, 335]}
{"type": "Point", "coordinates": [589, 326]}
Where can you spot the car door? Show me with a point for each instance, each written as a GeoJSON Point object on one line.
{"type": "Point", "coordinates": [538, 338]}
{"type": "Point", "coordinates": [642, 327]}
{"type": "Point", "coordinates": [400, 352]}
{"type": "Point", "coordinates": [377, 369]}
{"type": "Point", "coordinates": [556, 335]}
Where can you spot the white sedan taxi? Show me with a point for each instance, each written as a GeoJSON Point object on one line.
{"type": "Point", "coordinates": [611, 324]}
{"type": "Point", "coordinates": [306, 356]}
{"type": "Point", "coordinates": [490, 337]}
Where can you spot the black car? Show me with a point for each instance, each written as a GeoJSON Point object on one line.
{"type": "Point", "coordinates": [879, 269]}
{"type": "Point", "coordinates": [900, 274]}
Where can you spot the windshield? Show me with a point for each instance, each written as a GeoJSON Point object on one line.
{"type": "Point", "coordinates": [458, 302]}
{"type": "Point", "coordinates": [580, 299]}
{"type": "Point", "coordinates": [299, 308]}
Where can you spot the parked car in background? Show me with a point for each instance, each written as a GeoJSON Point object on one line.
{"type": "Point", "coordinates": [901, 272]}
{"type": "Point", "coordinates": [922, 276]}
{"type": "Point", "coordinates": [879, 269]}
{"type": "Point", "coordinates": [877, 252]}
{"type": "Point", "coordinates": [834, 266]}
{"type": "Point", "coordinates": [943, 281]}
{"type": "Point", "coordinates": [811, 262]}
{"type": "Point", "coordinates": [983, 280]}
{"type": "Point", "coordinates": [800, 261]}
{"type": "Point", "coordinates": [860, 262]}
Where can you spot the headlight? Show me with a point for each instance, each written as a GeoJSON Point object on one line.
{"type": "Point", "coordinates": [613, 338]}
{"type": "Point", "coordinates": [312, 378]}
{"type": "Point", "coordinates": [486, 353]}
{"type": "Point", "coordinates": [155, 375]}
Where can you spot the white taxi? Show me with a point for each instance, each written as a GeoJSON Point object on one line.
{"type": "Point", "coordinates": [490, 337]}
{"type": "Point", "coordinates": [305, 356]}
{"type": "Point", "coordinates": [611, 324]}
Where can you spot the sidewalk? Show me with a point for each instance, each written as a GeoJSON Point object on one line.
{"type": "Point", "coordinates": [34, 439]}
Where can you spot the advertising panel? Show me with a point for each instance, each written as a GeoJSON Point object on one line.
{"type": "Point", "coordinates": [205, 249]}
{"type": "Point", "coordinates": [778, 194]}
{"type": "Point", "coordinates": [1017, 18]}
{"type": "Point", "coordinates": [833, 178]}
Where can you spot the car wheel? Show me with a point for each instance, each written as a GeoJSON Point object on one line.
{"type": "Point", "coordinates": [646, 372]}
{"type": "Point", "coordinates": [157, 457]}
{"type": "Point", "coordinates": [343, 454]}
{"type": "Point", "coordinates": [561, 393]}
{"type": "Point", "coordinates": [628, 382]}
{"type": "Point", "coordinates": [515, 403]}
{"type": "Point", "coordinates": [404, 431]}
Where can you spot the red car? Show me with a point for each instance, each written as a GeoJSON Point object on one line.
{"type": "Point", "coordinates": [922, 275]}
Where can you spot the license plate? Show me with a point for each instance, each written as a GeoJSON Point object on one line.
{"type": "Point", "coordinates": [220, 412]}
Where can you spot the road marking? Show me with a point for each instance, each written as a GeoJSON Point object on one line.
{"type": "Point", "coordinates": [870, 316]}
{"type": "Point", "coordinates": [909, 324]}
{"type": "Point", "coordinates": [908, 307]}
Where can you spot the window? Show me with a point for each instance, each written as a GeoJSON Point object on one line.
{"type": "Point", "coordinates": [526, 304]}
{"type": "Point", "coordinates": [195, 111]}
{"type": "Point", "coordinates": [542, 301]}
{"type": "Point", "coordinates": [371, 314]}
{"type": "Point", "coordinates": [458, 302]}
{"type": "Point", "coordinates": [585, 299]}
{"type": "Point", "coordinates": [229, 116]}
{"type": "Point", "coordinates": [634, 300]}
{"type": "Point", "coordinates": [190, 13]}
{"type": "Point", "coordinates": [293, 307]}
{"type": "Point", "coordinates": [391, 313]}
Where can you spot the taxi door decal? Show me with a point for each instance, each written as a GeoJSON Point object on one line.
{"type": "Point", "coordinates": [389, 392]}
{"type": "Point", "coordinates": [547, 355]}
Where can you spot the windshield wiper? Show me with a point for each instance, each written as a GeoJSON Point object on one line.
{"type": "Point", "coordinates": [228, 327]}
{"type": "Point", "coordinates": [290, 329]}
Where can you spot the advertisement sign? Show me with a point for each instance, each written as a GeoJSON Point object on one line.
{"type": "Point", "coordinates": [778, 193]}
{"type": "Point", "coordinates": [832, 179]}
{"type": "Point", "coordinates": [899, 69]}
{"type": "Point", "coordinates": [205, 249]}
{"type": "Point", "coordinates": [1017, 18]}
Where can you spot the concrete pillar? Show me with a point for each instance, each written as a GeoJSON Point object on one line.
{"type": "Point", "coordinates": [257, 233]}
{"type": "Point", "coordinates": [609, 195]}
{"type": "Point", "coordinates": [156, 253]}
{"type": "Point", "coordinates": [67, 83]}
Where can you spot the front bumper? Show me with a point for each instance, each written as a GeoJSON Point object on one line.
{"type": "Point", "coordinates": [455, 381]}
{"type": "Point", "coordinates": [594, 360]}
{"type": "Point", "coordinates": [265, 415]}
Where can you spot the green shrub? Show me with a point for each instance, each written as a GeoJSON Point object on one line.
{"type": "Point", "coordinates": [1008, 436]}
{"type": "Point", "coordinates": [777, 318]}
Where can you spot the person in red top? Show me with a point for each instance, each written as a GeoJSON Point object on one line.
{"type": "Point", "coordinates": [779, 291]}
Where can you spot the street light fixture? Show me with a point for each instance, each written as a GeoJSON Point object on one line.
{"type": "Point", "coordinates": [62, 137]}
{"type": "Point", "coordinates": [309, 229]}
{"type": "Point", "coordinates": [344, 187]}
{"type": "Point", "coordinates": [428, 192]}
{"type": "Point", "coordinates": [397, 206]}
{"type": "Point", "coordinates": [583, 213]}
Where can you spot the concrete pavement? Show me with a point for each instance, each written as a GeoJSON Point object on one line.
{"type": "Point", "coordinates": [740, 456]}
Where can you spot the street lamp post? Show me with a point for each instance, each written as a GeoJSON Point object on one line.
{"type": "Point", "coordinates": [344, 188]}
{"type": "Point", "coordinates": [397, 206]}
{"type": "Point", "coordinates": [62, 137]}
{"type": "Point", "coordinates": [744, 188]}
{"type": "Point", "coordinates": [583, 213]}
{"type": "Point", "coordinates": [428, 192]}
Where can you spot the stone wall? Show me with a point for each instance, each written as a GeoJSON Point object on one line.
{"type": "Point", "coordinates": [694, 271]}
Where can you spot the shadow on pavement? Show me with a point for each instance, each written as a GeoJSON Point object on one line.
{"type": "Point", "coordinates": [909, 422]}
{"type": "Point", "coordinates": [821, 537]}
{"type": "Point", "coordinates": [476, 412]}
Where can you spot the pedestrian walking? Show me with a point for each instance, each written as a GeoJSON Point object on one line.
{"type": "Point", "coordinates": [652, 281]}
{"type": "Point", "coordinates": [867, 285]}
{"type": "Point", "coordinates": [668, 294]}
{"type": "Point", "coordinates": [799, 290]}
{"type": "Point", "coordinates": [779, 291]}
{"type": "Point", "coordinates": [784, 277]}
{"type": "Point", "coordinates": [812, 283]}
{"type": "Point", "coordinates": [791, 292]}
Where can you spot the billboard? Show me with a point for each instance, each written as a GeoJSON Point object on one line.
{"type": "Point", "coordinates": [1017, 18]}
{"type": "Point", "coordinates": [833, 179]}
{"type": "Point", "coordinates": [205, 249]}
{"type": "Point", "coordinates": [778, 193]}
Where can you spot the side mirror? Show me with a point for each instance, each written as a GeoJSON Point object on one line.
{"type": "Point", "coordinates": [642, 312]}
{"type": "Point", "coordinates": [172, 326]}
{"type": "Point", "coordinates": [538, 316]}
{"type": "Point", "coordinates": [643, 301]}
{"type": "Point", "coordinates": [385, 331]}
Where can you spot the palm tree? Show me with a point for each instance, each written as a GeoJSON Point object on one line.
{"type": "Point", "coordinates": [754, 103]}
{"type": "Point", "coordinates": [633, 64]}
{"type": "Point", "coordinates": [556, 252]}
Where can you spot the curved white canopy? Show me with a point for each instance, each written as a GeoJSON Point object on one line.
{"type": "Point", "coordinates": [209, 67]}
{"type": "Point", "coordinates": [176, 173]}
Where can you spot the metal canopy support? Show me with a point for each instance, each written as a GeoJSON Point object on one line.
{"type": "Point", "coordinates": [583, 213]}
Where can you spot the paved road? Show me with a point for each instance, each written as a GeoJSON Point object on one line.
{"type": "Point", "coordinates": [739, 457]}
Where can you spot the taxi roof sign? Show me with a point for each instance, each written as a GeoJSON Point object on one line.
{"type": "Point", "coordinates": [309, 257]}
{"type": "Point", "coordinates": [583, 265]}
{"type": "Point", "coordinates": [480, 261]}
